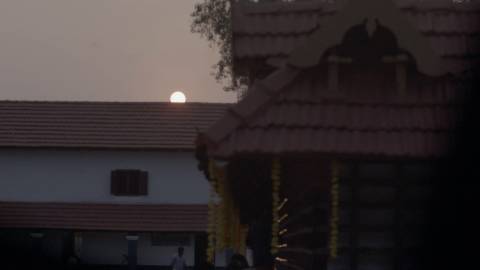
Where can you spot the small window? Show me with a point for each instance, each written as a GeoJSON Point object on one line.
{"type": "Point", "coordinates": [129, 183]}
{"type": "Point", "coordinates": [170, 239]}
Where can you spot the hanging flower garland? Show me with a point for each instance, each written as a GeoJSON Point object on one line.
{"type": "Point", "coordinates": [276, 169]}
{"type": "Point", "coordinates": [237, 232]}
{"type": "Point", "coordinates": [225, 229]}
{"type": "Point", "coordinates": [334, 219]}
{"type": "Point", "coordinates": [221, 212]}
{"type": "Point", "coordinates": [229, 215]}
{"type": "Point", "coordinates": [243, 240]}
{"type": "Point", "coordinates": [211, 214]}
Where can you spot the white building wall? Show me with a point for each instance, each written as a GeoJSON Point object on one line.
{"type": "Point", "coordinates": [107, 248]}
{"type": "Point", "coordinates": [84, 176]}
{"type": "Point", "coordinates": [162, 255]}
{"type": "Point", "coordinates": [103, 247]}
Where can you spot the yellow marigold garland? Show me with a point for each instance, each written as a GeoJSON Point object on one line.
{"type": "Point", "coordinates": [221, 216]}
{"type": "Point", "coordinates": [243, 240]}
{"type": "Point", "coordinates": [211, 215]}
{"type": "Point", "coordinates": [228, 215]}
{"type": "Point", "coordinates": [276, 169]}
{"type": "Point", "coordinates": [334, 219]}
{"type": "Point", "coordinates": [224, 227]}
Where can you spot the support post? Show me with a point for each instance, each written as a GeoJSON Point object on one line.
{"type": "Point", "coordinates": [401, 74]}
{"type": "Point", "coordinates": [132, 251]}
{"type": "Point", "coordinates": [37, 238]}
{"type": "Point", "coordinates": [400, 62]}
{"type": "Point", "coordinates": [333, 74]}
{"type": "Point", "coordinates": [334, 63]}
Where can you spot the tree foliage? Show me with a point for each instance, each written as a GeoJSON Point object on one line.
{"type": "Point", "coordinates": [211, 19]}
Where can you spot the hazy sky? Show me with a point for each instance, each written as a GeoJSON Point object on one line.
{"type": "Point", "coordinates": [119, 50]}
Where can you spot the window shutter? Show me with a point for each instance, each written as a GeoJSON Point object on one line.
{"type": "Point", "coordinates": [123, 180]}
{"type": "Point", "coordinates": [114, 182]}
{"type": "Point", "coordinates": [129, 182]}
{"type": "Point", "coordinates": [143, 183]}
{"type": "Point", "coordinates": [130, 179]}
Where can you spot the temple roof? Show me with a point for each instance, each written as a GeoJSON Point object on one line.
{"type": "Point", "coordinates": [300, 116]}
{"type": "Point", "coordinates": [293, 110]}
{"type": "Point", "coordinates": [271, 31]}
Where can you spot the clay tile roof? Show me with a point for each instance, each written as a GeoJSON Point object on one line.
{"type": "Point", "coordinates": [303, 117]}
{"type": "Point", "coordinates": [274, 30]}
{"type": "Point", "coordinates": [105, 125]}
{"type": "Point", "coordinates": [108, 217]}
{"type": "Point", "coordinates": [292, 111]}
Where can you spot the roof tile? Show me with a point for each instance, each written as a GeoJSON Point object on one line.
{"type": "Point", "coordinates": [272, 30]}
{"type": "Point", "coordinates": [125, 125]}
{"type": "Point", "coordinates": [416, 126]}
{"type": "Point", "coordinates": [110, 217]}
{"type": "Point", "coordinates": [220, 128]}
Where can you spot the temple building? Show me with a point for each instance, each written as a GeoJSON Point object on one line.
{"type": "Point", "coordinates": [329, 159]}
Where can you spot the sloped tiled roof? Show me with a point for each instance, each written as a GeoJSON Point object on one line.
{"type": "Point", "coordinates": [285, 115]}
{"type": "Point", "coordinates": [112, 125]}
{"type": "Point", "coordinates": [108, 217]}
{"type": "Point", "coordinates": [293, 111]}
{"type": "Point", "coordinates": [274, 30]}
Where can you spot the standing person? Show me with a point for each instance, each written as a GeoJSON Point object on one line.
{"type": "Point", "coordinates": [178, 262]}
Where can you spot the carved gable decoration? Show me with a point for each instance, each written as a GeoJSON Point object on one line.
{"type": "Point", "coordinates": [361, 46]}
{"type": "Point", "coordinates": [390, 31]}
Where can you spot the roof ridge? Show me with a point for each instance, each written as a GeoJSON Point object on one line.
{"type": "Point", "coordinates": [282, 7]}
{"type": "Point", "coordinates": [3, 101]}
{"type": "Point", "coordinates": [335, 5]}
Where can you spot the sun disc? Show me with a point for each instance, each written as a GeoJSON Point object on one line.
{"type": "Point", "coordinates": [178, 97]}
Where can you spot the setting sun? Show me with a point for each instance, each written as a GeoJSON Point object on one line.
{"type": "Point", "coordinates": [177, 97]}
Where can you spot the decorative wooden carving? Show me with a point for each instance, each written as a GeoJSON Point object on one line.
{"type": "Point", "coordinates": [385, 12]}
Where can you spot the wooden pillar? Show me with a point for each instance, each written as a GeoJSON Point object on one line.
{"type": "Point", "coordinates": [334, 63]}
{"type": "Point", "coordinates": [37, 243]}
{"type": "Point", "coordinates": [401, 77]}
{"type": "Point", "coordinates": [67, 246]}
{"type": "Point", "coordinates": [400, 62]}
{"type": "Point", "coordinates": [333, 74]}
{"type": "Point", "coordinates": [132, 251]}
{"type": "Point", "coordinates": [319, 236]}
{"type": "Point", "coordinates": [354, 226]}
{"type": "Point", "coordinates": [397, 233]}
{"type": "Point", "coordinates": [77, 244]}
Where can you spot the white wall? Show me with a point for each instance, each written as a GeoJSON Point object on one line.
{"type": "Point", "coordinates": [84, 176]}
{"type": "Point", "coordinates": [103, 247]}
{"type": "Point", "coordinates": [108, 247]}
{"type": "Point", "coordinates": [162, 255]}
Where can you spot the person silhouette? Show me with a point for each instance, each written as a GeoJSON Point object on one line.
{"type": "Point", "coordinates": [178, 262]}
